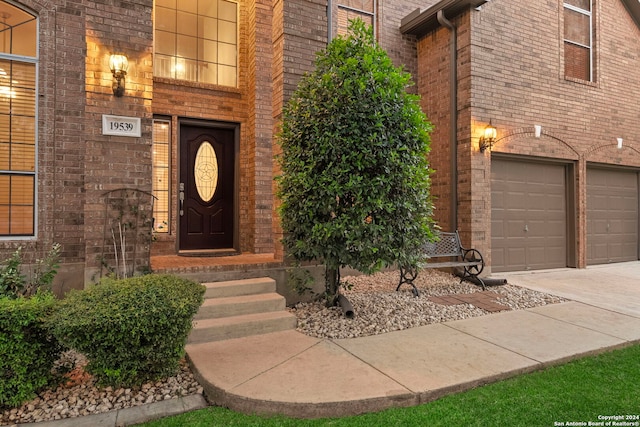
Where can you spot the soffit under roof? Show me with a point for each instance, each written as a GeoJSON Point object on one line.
{"type": "Point", "coordinates": [633, 6]}
{"type": "Point", "coordinates": [419, 22]}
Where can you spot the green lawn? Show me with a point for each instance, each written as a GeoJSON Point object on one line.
{"type": "Point", "coordinates": [571, 394]}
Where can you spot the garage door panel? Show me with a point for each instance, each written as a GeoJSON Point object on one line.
{"type": "Point", "coordinates": [598, 251]}
{"type": "Point", "coordinates": [528, 215]}
{"type": "Point", "coordinates": [499, 202]}
{"type": "Point", "coordinates": [541, 258]}
{"type": "Point", "coordinates": [612, 215]}
{"type": "Point", "coordinates": [498, 255]}
{"type": "Point", "coordinates": [599, 226]}
{"type": "Point", "coordinates": [515, 229]}
{"type": "Point", "coordinates": [557, 229]}
{"type": "Point", "coordinates": [628, 247]}
{"type": "Point", "coordinates": [535, 258]}
{"type": "Point", "coordinates": [516, 257]}
{"type": "Point", "coordinates": [497, 229]}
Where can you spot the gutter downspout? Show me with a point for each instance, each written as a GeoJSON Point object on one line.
{"type": "Point", "coordinates": [329, 21]}
{"type": "Point", "coordinates": [453, 116]}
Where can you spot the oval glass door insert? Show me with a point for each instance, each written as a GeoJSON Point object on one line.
{"type": "Point", "coordinates": [206, 171]}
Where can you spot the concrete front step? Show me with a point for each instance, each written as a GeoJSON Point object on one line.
{"type": "Point", "coordinates": [240, 308]}
{"type": "Point", "coordinates": [209, 330]}
{"type": "Point", "coordinates": [214, 308]}
{"type": "Point", "coordinates": [233, 288]}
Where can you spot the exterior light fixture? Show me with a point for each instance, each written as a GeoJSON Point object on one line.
{"type": "Point", "coordinates": [488, 138]}
{"type": "Point", "coordinates": [619, 143]}
{"type": "Point", "coordinates": [119, 64]}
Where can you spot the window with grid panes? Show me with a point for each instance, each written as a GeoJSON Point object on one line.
{"type": "Point", "coordinates": [578, 39]}
{"type": "Point", "coordinates": [352, 9]}
{"type": "Point", "coordinates": [160, 188]}
{"type": "Point", "coordinates": [196, 40]}
{"type": "Point", "coordinates": [18, 65]}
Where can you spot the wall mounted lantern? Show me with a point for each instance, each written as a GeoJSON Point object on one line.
{"type": "Point", "coordinates": [119, 64]}
{"type": "Point", "coordinates": [619, 143]}
{"type": "Point", "coordinates": [488, 137]}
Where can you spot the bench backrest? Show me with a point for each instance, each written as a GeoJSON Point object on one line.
{"type": "Point", "coordinates": [447, 245]}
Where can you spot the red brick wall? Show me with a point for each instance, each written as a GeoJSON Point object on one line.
{"type": "Point", "coordinates": [277, 72]}
{"type": "Point", "coordinates": [115, 162]}
{"type": "Point", "coordinates": [76, 163]}
{"type": "Point", "coordinates": [60, 145]}
{"type": "Point", "coordinates": [305, 33]}
{"type": "Point", "coordinates": [61, 135]}
{"type": "Point", "coordinates": [299, 31]}
{"type": "Point", "coordinates": [401, 48]}
{"type": "Point", "coordinates": [434, 88]}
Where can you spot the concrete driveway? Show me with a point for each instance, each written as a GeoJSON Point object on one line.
{"type": "Point", "coordinates": [613, 287]}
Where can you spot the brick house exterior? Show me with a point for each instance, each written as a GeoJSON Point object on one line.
{"type": "Point", "coordinates": [509, 57]}
{"type": "Point", "coordinates": [512, 72]}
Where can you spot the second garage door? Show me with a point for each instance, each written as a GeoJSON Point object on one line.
{"type": "Point", "coordinates": [612, 215]}
{"type": "Point", "coordinates": [528, 215]}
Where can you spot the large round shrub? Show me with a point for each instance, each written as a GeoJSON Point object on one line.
{"type": "Point", "coordinates": [27, 349]}
{"type": "Point", "coordinates": [131, 330]}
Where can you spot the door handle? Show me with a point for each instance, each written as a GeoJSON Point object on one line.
{"type": "Point", "coordinates": [181, 197]}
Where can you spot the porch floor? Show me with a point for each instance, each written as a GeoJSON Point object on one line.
{"type": "Point", "coordinates": [177, 263]}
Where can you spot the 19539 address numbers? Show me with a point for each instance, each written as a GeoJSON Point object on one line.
{"type": "Point", "coordinates": [121, 126]}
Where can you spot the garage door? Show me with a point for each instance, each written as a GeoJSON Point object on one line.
{"type": "Point", "coordinates": [528, 216]}
{"type": "Point", "coordinates": [612, 216]}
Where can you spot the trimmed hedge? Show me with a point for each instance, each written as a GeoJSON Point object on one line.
{"type": "Point", "coordinates": [131, 330]}
{"type": "Point", "coordinates": [27, 348]}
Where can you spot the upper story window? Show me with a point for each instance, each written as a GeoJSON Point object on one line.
{"type": "Point", "coordinates": [18, 61]}
{"type": "Point", "coordinates": [578, 39]}
{"type": "Point", "coordinates": [352, 9]}
{"type": "Point", "coordinates": [196, 40]}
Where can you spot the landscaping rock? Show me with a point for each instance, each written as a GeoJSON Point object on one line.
{"type": "Point", "coordinates": [380, 309]}
{"type": "Point", "coordinates": [79, 395]}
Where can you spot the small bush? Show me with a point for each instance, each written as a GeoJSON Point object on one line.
{"type": "Point", "coordinates": [14, 284]}
{"type": "Point", "coordinates": [12, 281]}
{"type": "Point", "coordinates": [27, 349]}
{"type": "Point", "coordinates": [131, 330]}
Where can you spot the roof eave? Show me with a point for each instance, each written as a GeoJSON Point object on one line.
{"type": "Point", "coordinates": [419, 22]}
{"type": "Point", "coordinates": [633, 6]}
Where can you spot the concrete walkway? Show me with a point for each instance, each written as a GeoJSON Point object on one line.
{"type": "Point", "coordinates": [293, 374]}
{"type": "Point", "coordinates": [300, 376]}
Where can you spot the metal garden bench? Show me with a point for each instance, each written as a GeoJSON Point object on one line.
{"type": "Point", "coordinates": [448, 245]}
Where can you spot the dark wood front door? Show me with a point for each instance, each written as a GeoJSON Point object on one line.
{"type": "Point", "coordinates": [206, 192]}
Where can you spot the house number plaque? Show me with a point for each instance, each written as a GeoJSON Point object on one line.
{"type": "Point", "coordinates": [121, 126]}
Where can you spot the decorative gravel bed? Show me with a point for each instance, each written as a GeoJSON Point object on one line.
{"type": "Point", "coordinates": [379, 308]}
{"type": "Point", "coordinates": [80, 395]}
